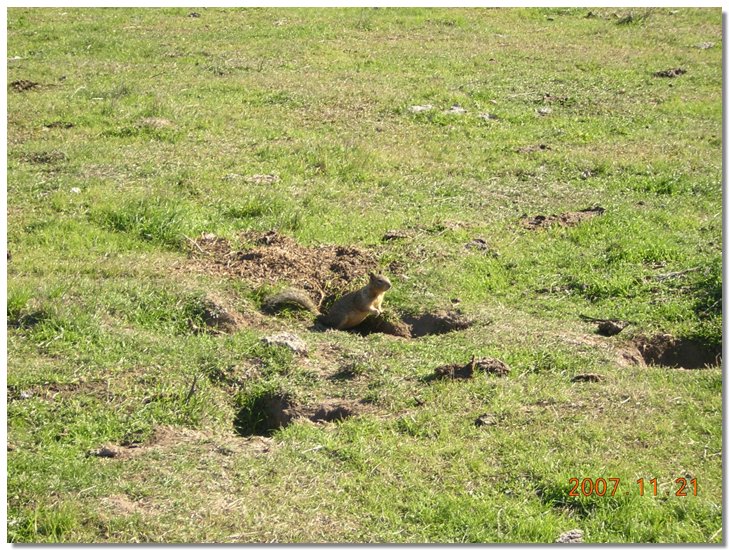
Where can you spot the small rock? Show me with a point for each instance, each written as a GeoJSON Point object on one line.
{"type": "Point", "coordinates": [193, 14]}
{"type": "Point", "coordinates": [75, 190]}
{"type": "Point", "coordinates": [705, 45]}
{"type": "Point", "coordinates": [420, 108]}
{"type": "Point", "coordinates": [544, 111]}
{"type": "Point", "coordinates": [456, 110]}
{"type": "Point", "coordinates": [286, 339]}
{"type": "Point", "coordinates": [574, 536]}
{"type": "Point", "coordinates": [486, 419]}
{"type": "Point", "coordinates": [209, 236]}
{"type": "Point", "coordinates": [588, 377]}
{"type": "Point", "coordinates": [27, 394]}
{"type": "Point", "coordinates": [586, 174]}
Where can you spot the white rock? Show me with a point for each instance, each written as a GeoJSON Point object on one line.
{"type": "Point", "coordinates": [288, 340]}
{"type": "Point", "coordinates": [456, 110]}
{"type": "Point", "coordinates": [420, 108]}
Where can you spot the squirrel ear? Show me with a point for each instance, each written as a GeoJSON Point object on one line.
{"type": "Point", "coordinates": [372, 275]}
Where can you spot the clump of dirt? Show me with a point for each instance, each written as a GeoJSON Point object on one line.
{"type": "Point", "coordinates": [566, 219]}
{"type": "Point", "coordinates": [274, 257]}
{"type": "Point", "coordinates": [273, 411]}
{"type": "Point", "coordinates": [588, 377]}
{"type": "Point", "coordinates": [486, 365]}
{"type": "Point", "coordinates": [670, 73]}
{"type": "Point", "coordinates": [23, 85]}
{"type": "Point", "coordinates": [665, 350]}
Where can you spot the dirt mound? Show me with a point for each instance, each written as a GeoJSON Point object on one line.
{"type": "Point", "coordinates": [270, 412]}
{"type": "Point", "coordinates": [414, 326]}
{"type": "Point", "coordinates": [438, 322]}
{"type": "Point", "coordinates": [215, 318]}
{"type": "Point", "coordinates": [566, 219]}
{"type": "Point", "coordinates": [665, 350]}
{"type": "Point", "coordinates": [385, 324]}
{"type": "Point", "coordinates": [486, 365]}
{"type": "Point", "coordinates": [273, 257]}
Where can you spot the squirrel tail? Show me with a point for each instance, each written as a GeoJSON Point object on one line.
{"type": "Point", "coordinates": [289, 299]}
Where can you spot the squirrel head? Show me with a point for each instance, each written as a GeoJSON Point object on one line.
{"type": "Point", "coordinates": [380, 282]}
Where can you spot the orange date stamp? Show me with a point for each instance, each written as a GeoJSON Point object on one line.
{"type": "Point", "coordinates": [609, 487]}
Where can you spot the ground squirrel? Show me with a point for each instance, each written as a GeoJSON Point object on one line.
{"type": "Point", "coordinates": [347, 312]}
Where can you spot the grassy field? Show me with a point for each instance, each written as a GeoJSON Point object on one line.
{"type": "Point", "coordinates": [133, 135]}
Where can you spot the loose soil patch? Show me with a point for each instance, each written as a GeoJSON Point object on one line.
{"type": "Point", "coordinates": [167, 439]}
{"type": "Point", "coordinates": [566, 219]}
{"type": "Point", "coordinates": [486, 365]}
{"type": "Point", "coordinates": [665, 350]}
{"type": "Point", "coordinates": [273, 258]}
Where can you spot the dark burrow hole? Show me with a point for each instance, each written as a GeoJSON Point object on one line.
{"type": "Point", "coordinates": [665, 350]}
{"type": "Point", "coordinates": [269, 412]}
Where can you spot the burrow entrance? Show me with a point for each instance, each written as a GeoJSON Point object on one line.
{"type": "Point", "coordinates": [665, 350]}
{"type": "Point", "coordinates": [269, 412]}
{"type": "Point", "coordinates": [414, 326]}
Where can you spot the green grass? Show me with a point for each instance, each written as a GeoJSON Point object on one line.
{"type": "Point", "coordinates": [161, 123]}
